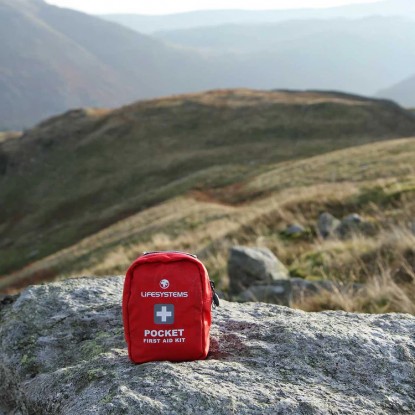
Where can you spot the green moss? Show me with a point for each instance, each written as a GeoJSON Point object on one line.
{"type": "Point", "coordinates": [95, 374]}
{"type": "Point", "coordinates": [91, 348]}
{"type": "Point", "coordinates": [306, 235]}
{"type": "Point", "coordinates": [108, 398]}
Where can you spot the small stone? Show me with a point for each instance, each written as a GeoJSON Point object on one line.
{"type": "Point", "coordinates": [351, 223]}
{"type": "Point", "coordinates": [353, 218]}
{"type": "Point", "coordinates": [294, 230]}
{"type": "Point", "coordinates": [327, 224]}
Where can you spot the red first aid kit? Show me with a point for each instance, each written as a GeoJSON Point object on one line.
{"type": "Point", "coordinates": [167, 303]}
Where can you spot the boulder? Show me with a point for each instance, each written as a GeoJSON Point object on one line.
{"type": "Point", "coordinates": [249, 266]}
{"type": "Point", "coordinates": [62, 351]}
{"type": "Point", "coordinates": [327, 225]}
{"type": "Point", "coordinates": [277, 292]}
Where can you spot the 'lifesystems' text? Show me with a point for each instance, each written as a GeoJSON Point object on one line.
{"type": "Point", "coordinates": [164, 294]}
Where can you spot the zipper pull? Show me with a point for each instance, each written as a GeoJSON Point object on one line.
{"type": "Point", "coordinates": [167, 252]}
{"type": "Point", "coordinates": [215, 297]}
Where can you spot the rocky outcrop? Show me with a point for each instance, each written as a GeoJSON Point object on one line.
{"type": "Point", "coordinates": [62, 352]}
{"type": "Point", "coordinates": [250, 266]}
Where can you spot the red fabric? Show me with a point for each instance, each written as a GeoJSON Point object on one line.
{"type": "Point", "coordinates": [167, 320]}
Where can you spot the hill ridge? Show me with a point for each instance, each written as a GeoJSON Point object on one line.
{"type": "Point", "coordinates": [120, 162]}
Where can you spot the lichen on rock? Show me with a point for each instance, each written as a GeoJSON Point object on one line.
{"type": "Point", "coordinates": [62, 351]}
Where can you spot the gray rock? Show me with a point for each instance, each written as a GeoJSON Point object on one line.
{"type": "Point", "coordinates": [327, 225]}
{"type": "Point", "coordinates": [294, 230]}
{"type": "Point", "coordinates": [249, 266]}
{"type": "Point", "coordinates": [351, 223]}
{"type": "Point", "coordinates": [278, 292]}
{"type": "Point", "coordinates": [62, 351]}
{"type": "Point", "coordinates": [353, 218]}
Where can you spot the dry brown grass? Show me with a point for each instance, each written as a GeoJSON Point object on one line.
{"type": "Point", "coordinates": [209, 223]}
{"type": "Point", "coordinates": [248, 97]}
{"type": "Point", "coordinates": [78, 173]}
{"type": "Point", "coordinates": [381, 294]}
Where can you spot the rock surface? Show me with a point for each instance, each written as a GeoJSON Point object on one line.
{"type": "Point", "coordinates": [62, 352]}
{"type": "Point", "coordinates": [250, 266]}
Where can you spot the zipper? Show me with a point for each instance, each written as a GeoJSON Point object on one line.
{"type": "Point", "coordinates": [169, 252]}
{"type": "Point", "coordinates": [215, 297]}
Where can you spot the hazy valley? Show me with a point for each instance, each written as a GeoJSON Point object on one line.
{"type": "Point", "coordinates": [55, 59]}
{"type": "Point", "coordinates": [203, 18]}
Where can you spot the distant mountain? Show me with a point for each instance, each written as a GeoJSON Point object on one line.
{"type": "Point", "coordinates": [151, 24]}
{"type": "Point", "coordinates": [360, 55]}
{"type": "Point", "coordinates": [402, 92]}
{"type": "Point", "coordinates": [53, 59]}
{"type": "Point", "coordinates": [75, 174]}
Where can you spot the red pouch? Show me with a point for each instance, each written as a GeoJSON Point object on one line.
{"type": "Point", "coordinates": [167, 304]}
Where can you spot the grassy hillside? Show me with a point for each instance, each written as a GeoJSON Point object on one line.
{"type": "Point", "coordinates": [375, 180]}
{"type": "Point", "coordinates": [78, 173]}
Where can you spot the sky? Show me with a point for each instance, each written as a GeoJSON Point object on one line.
{"type": "Point", "coordinates": [177, 6]}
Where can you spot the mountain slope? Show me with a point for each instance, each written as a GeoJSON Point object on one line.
{"type": "Point", "coordinates": [151, 24]}
{"type": "Point", "coordinates": [54, 59]}
{"type": "Point", "coordinates": [403, 92]}
{"type": "Point", "coordinates": [75, 174]}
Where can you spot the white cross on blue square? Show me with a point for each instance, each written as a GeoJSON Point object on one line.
{"type": "Point", "coordinates": [163, 313]}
